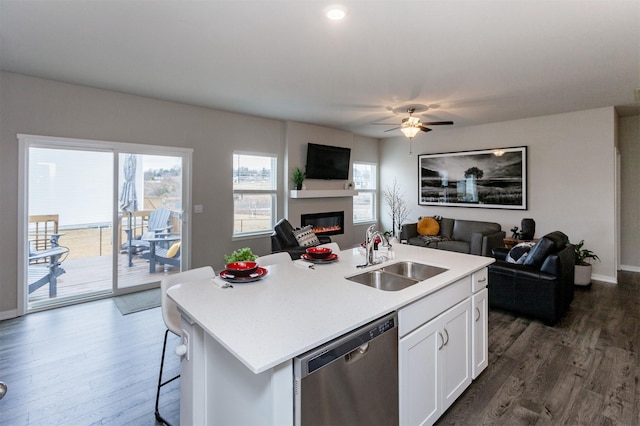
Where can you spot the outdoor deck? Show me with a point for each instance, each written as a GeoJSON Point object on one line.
{"type": "Point", "coordinates": [91, 275]}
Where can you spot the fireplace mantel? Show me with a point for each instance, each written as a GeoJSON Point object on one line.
{"type": "Point", "coordinates": [323, 193]}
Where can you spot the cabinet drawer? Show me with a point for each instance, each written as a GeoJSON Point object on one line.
{"type": "Point", "coordinates": [421, 311]}
{"type": "Point", "coordinates": [479, 280]}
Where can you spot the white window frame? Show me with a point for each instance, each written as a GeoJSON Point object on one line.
{"type": "Point", "coordinates": [26, 141]}
{"type": "Point", "coordinates": [273, 192]}
{"type": "Point", "coordinates": [373, 192]}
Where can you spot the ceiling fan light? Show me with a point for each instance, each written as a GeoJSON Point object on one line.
{"type": "Point", "coordinates": [410, 131]}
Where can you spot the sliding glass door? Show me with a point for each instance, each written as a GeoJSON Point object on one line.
{"type": "Point", "coordinates": [150, 217]}
{"type": "Point", "coordinates": [99, 218]}
{"type": "Point", "coordinates": [70, 205]}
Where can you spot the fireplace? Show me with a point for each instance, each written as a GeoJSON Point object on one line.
{"type": "Point", "coordinates": [331, 223]}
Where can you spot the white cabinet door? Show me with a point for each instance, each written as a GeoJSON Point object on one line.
{"type": "Point", "coordinates": [479, 332]}
{"type": "Point", "coordinates": [419, 377]}
{"type": "Point", "coordinates": [435, 365]}
{"type": "Point", "coordinates": [456, 352]}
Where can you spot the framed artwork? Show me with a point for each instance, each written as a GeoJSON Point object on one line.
{"type": "Point", "coordinates": [492, 178]}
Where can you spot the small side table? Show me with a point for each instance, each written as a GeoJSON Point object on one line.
{"type": "Point", "coordinates": [510, 242]}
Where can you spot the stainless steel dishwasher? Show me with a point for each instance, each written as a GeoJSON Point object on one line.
{"type": "Point", "coordinates": [352, 380]}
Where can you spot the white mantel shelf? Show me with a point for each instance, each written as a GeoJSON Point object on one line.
{"type": "Point", "coordinates": [323, 193]}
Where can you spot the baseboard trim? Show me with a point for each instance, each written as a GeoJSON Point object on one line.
{"type": "Point", "coordinates": [604, 278]}
{"type": "Point", "coordinates": [4, 315]}
{"type": "Point", "coordinates": [630, 268]}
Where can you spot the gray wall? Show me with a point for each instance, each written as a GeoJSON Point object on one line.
{"type": "Point", "coordinates": [362, 148]}
{"type": "Point", "coordinates": [571, 160]}
{"type": "Point", "coordinates": [571, 165]}
{"type": "Point", "coordinates": [44, 107]}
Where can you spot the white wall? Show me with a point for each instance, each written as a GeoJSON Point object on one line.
{"type": "Point", "coordinates": [571, 178]}
{"type": "Point", "coordinates": [629, 143]}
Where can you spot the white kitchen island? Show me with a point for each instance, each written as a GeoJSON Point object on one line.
{"type": "Point", "coordinates": [241, 341]}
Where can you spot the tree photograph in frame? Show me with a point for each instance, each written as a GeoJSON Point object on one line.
{"type": "Point", "coordinates": [492, 178]}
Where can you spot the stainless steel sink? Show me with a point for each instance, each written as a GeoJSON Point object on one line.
{"type": "Point", "coordinates": [414, 270]}
{"type": "Point", "coordinates": [382, 280]}
{"type": "Point", "coordinates": [397, 276]}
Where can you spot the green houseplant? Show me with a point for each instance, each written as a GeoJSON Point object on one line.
{"type": "Point", "coordinates": [583, 267]}
{"type": "Point", "coordinates": [241, 255]}
{"type": "Point", "coordinates": [297, 177]}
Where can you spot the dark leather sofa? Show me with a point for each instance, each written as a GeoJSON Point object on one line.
{"type": "Point", "coordinates": [283, 239]}
{"type": "Point", "coordinates": [463, 236]}
{"type": "Point", "coordinates": [541, 287]}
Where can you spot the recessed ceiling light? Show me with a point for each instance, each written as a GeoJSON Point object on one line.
{"type": "Point", "coordinates": [335, 12]}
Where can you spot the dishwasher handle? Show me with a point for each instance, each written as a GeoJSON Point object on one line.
{"type": "Point", "coordinates": [357, 353]}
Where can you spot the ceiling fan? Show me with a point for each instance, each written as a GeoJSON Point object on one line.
{"type": "Point", "coordinates": [411, 125]}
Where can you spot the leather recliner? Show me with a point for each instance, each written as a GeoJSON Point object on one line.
{"type": "Point", "coordinates": [283, 239]}
{"type": "Point", "coordinates": [541, 287]}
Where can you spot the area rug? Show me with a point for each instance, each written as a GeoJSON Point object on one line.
{"type": "Point", "coordinates": [136, 302]}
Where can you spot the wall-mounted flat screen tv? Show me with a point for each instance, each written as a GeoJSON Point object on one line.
{"type": "Point", "coordinates": [327, 162]}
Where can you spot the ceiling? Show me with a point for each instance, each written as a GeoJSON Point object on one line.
{"type": "Point", "coordinates": [472, 62]}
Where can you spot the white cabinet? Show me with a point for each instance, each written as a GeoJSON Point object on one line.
{"type": "Point", "coordinates": [480, 322]}
{"type": "Point", "coordinates": [435, 365]}
{"type": "Point", "coordinates": [479, 332]}
{"type": "Point", "coordinates": [479, 280]}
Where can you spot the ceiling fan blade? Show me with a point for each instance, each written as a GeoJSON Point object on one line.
{"type": "Point", "coordinates": [395, 128]}
{"type": "Point", "coordinates": [385, 124]}
{"type": "Point", "coordinates": [425, 129]}
{"type": "Point", "coordinates": [438, 123]}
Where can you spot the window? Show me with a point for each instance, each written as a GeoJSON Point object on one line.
{"type": "Point", "coordinates": [254, 194]}
{"type": "Point", "coordinates": [364, 204]}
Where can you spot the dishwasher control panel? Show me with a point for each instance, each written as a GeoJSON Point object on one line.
{"type": "Point", "coordinates": [320, 357]}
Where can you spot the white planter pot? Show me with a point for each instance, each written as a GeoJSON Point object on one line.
{"type": "Point", "coordinates": [582, 275]}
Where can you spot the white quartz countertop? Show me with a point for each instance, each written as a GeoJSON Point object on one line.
{"type": "Point", "coordinates": [294, 309]}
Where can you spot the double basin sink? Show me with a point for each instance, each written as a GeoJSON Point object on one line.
{"type": "Point", "coordinates": [397, 276]}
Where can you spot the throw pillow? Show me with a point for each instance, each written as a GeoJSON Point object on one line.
{"type": "Point", "coordinates": [306, 237]}
{"type": "Point", "coordinates": [428, 226]}
{"type": "Point", "coordinates": [519, 252]}
{"type": "Point", "coordinates": [173, 250]}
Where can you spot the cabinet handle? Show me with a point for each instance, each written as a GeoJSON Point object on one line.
{"type": "Point", "coordinates": [481, 280]}
{"type": "Point", "coordinates": [441, 337]}
{"type": "Point", "coordinates": [477, 314]}
{"type": "Point", "coordinates": [447, 333]}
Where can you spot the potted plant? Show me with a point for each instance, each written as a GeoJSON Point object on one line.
{"type": "Point", "coordinates": [583, 268]}
{"type": "Point", "coordinates": [241, 255]}
{"type": "Point", "coordinates": [297, 177]}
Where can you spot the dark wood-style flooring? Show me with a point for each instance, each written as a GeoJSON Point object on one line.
{"type": "Point", "coordinates": [88, 364]}
{"type": "Point", "coordinates": [583, 371]}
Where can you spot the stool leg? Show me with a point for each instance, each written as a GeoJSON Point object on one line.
{"type": "Point", "coordinates": [164, 348]}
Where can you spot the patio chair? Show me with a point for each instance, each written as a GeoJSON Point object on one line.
{"type": "Point", "coordinates": [157, 224]}
{"type": "Point", "coordinates": [41, 275]}
{"type": "Point", "coordinates": [163, 255]}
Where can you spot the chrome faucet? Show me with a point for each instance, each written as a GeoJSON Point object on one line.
{"type": "Point", "coordinates": [369, 243]}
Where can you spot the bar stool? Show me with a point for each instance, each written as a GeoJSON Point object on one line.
{"type": "Point", "coordinates": [171, 317]}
